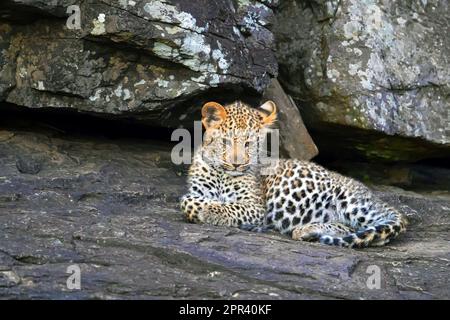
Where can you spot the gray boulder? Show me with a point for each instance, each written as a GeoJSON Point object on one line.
{"type": "Point", "coordinates": [295, 141]}
{"type": "Point", "coordinates": [132, 57]}
{"type": "Point", "coordinates": [381, 66]}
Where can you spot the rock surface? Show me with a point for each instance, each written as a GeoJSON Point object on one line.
{"type": "Point", "coordinates": [131, 57]}
{"type": "Point", "coordinates": [110, 207]}
{"type": "Point", "coordinates": [102, 195]}
{"type": "Point", "coordinates": [370, 64]}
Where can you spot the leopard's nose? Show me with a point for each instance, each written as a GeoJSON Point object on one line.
{"type": "Point", "coordinates": [230, 166]}
{"type": "Point", "coordinates": [243, 167]}
{"type": "Point", "coordinates": [240, 161]}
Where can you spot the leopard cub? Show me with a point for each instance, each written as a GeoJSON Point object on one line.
{"type": "Point", "coordinates": [298, 198]}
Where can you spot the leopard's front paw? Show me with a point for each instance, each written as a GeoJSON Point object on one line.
{"type": "Point", "coordinates": [193, 217]}
{"type": "Point", "coordinates": [200, 215]}
{"type": "Point", "coordinates": [211, 214]}
{"type": "Point", "coordinates": [191, 209]}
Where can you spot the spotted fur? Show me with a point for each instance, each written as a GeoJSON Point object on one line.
{"type": "Point", "coordinates": [298, 198]}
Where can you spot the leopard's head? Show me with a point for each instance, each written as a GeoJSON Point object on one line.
{"type": "Point", "coordinates": [234, 134]}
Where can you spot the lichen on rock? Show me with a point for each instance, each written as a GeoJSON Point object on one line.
{"type": "Point", "coordinates": [370, 64]}
{"type": "Point", "coordinates": [129, 57]}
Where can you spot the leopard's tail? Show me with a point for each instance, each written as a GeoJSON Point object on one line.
{"type": "Point", "coordinates": [383, 230]}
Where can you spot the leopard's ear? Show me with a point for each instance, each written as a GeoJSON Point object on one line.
{"type": "Point", "coordinates": [269, 112]}
{"type": "Point", "coordinates": [213, 114]}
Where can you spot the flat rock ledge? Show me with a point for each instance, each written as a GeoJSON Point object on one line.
{"type": "Point", "coordinates": [110, 207]}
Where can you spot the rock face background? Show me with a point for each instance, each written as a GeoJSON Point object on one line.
{"type": "Point", "coordinates": [85, 122]}
{"type": "Point", "coordinates": [132, 57]}
{"type": "Point", "coordinates": [370, 64]}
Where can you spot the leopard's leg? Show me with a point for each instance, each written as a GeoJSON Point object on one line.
{"type": "Point", "coordinates": [199, 209]}
{"type": "Point", "coordinates": [375, 222]}
{"type": "Point", "coordinates": [233, 214]}
{"type": "Point", "coordinates": [192, 205]}
{"type": "Point", "coordinates": [313, 231]}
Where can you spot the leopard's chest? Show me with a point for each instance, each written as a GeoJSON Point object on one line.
{"type": "Point", "coordinates": [230, 190]}
{"type": "Point", "coordinates": [226, 189]}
